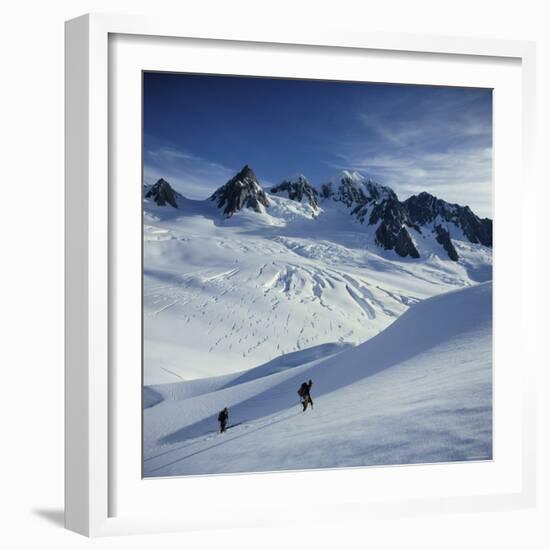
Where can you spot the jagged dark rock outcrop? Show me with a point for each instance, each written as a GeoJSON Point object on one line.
{"type": "Point", "coordinates": [353, 189]}
{"type": "Point", "coordinates": [391, 234]}
{"type": "Point", "coordinates": [162, 193]}
{"type": "Point", "coordinates": [375, 204]}
{"type": "Point", "coordinates": [296, 189]}
{"type": "Point", "coordinates": [241, 191]}
{"type": "Point", "coordinates": [425, 208]}
{"type": "Point", "coordinates": [399, 224]}
{"type": "Point", "coordinates": [399, 241]}
{"type": "Point", "coordinates": [443, 237]}
{"type": "Point", "coordinates": [404, 245]}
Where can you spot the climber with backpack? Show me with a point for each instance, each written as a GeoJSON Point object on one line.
{"type": "Point", "coordinates": [222, 419]}
{"type": "Point", "coordinates": [305, 395]}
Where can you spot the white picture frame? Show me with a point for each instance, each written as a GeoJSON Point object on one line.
{"type": "Point", "coordinates": [93, 225]}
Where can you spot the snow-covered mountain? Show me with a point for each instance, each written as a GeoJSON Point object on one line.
{"type": "Point", "coordinates": [162, 193]}
{"type": "Point", "coordinates": [399, 225]}
{"type": "Point", "coordinates": [425, 209]}
{"type": "Point", "coordinates": [249, 275]}
{"type": "Point", "coordinates": [298, 188]}
{"type": "Point", "coordinates": [241, 191]}
{"type": "Point", "coordinates": [419, 392]}
{"type": "Point", "coordinates": [354, 189]}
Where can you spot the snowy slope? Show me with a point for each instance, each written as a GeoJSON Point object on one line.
{"type": "Point", "coordinates": [420, 391]}
{"type": "Point", "coordinates": [223, 295]}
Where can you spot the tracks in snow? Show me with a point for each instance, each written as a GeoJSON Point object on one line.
{"type": "Point", "coordinates": [153, 465]}
{"type": "Point", "coordinates": [261, 300]}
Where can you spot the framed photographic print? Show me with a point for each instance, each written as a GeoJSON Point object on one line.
{"type": "Point", "coordinates": [290, 260]}
{"type": "Point", "coordinates": [263, 290]}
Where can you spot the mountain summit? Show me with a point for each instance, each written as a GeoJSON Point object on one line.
{"type": "Point", "coordinates": [297, 188]}
{"type": "Point", "coordinates": [241, 191]}
{"type": "Point", "coordinates": [399, 223]}
{"type": "Point", "coordinates": [353, 188]}
{"type": "Point", "coordinates": [162, 193]}
{"type": "Point", "coordinates": [418, 226]}
{"type": "Point", "coordinates": [425, 208]}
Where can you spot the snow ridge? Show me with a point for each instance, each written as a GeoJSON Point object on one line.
{"type": "Point", "coordinates": [419, 392]}
{"type": "Point", "coordinates": [398, 225]}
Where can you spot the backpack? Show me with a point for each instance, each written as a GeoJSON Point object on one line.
{"type": "Point", "coordinates": [302, 390]}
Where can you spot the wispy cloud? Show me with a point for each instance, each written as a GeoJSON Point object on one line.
{"type": "Point", "coordinates": [191, 175]}
{"type": "Point", "coordinates": [461, 176]}
{"type": "Point", "coordinates": [199, 132]}
{"type": "Point", "coordinates": [442, 148]}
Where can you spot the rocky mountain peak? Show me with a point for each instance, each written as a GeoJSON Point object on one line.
{"type": "Point", "coordinates": [241, 191]}
{"type": "Point", "coordinates": [397, 225]}
{"type": "Point", "coordinates": [246, 173]}
{"type": "Point", "coordinates": [162, 193]}
{"type": "Point", "coordinates": [422, 213]}
{"type": "Point", "coordinates": [353, 189]}
{"type": "Point", "coordinates": [297, 188]}
{"type": "Point", "coordinates": [426, 209]}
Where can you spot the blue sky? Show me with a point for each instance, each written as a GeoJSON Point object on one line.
{"type": "Point", "coordinates": [199, 130]}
